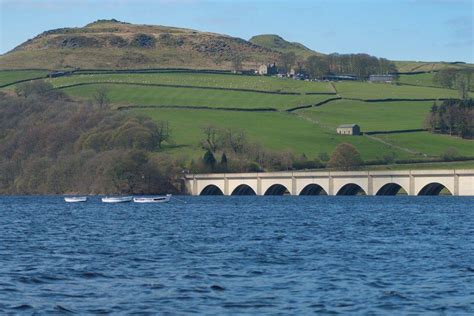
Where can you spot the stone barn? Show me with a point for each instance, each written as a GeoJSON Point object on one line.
{"type": "Point", "coordinates": [348, 129]}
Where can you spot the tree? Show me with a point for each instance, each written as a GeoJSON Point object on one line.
{"type": "Point", "coordinates": [462, 82]}
{"type": "Point", "coordinates": [209, 159]}
{"type": "Point", "coordinates": [288, 60]}
{"type": "Point", "coordinates": [223, 159]}
{"type": "Point", "coordinates": [237, 63]}
{"type": "Point", "coordinates": [450, 154]}
{"type": "Point", "coordinates": [101, 97]}
{"type": "Point", "coordinates": [317, 66]}
{"type": "Point", "coordinates": [163, 132]}
{"type": "Point", "coordinates": [38, 88]}
{"type": "Point", "coordinates": [211, 138]}
{"type": "Point", "coordinates": [345, 157]}
{"type": "Point", "coordinates": [223, 163]}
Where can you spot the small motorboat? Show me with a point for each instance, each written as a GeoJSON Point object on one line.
{"type": "Point", "coordinates": [153, 199]}
{"type": "Point", "coordinates": [116, 199]}
{"type": "Point", "coordinates": [75, 199]}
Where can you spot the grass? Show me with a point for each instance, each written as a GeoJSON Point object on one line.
{"type": "Point", "coordinates": [414, 66]}
{"type": "Point", "coordinates": [431, 144]}
{"type": "Point", "coordinates": [373, 116]}
{"type": "Point", "coordinates": [10, 76]}
{"type": "Point", "coordinates": [277, 131]}
{"type": "Point", "coordinates": [142, 95]}
{"type": "Point", "coordinates": [429, 165]}
{"type": "Point", "coordinates": [203, 80]}
{"type": "Point", "coordinates": [424, 79]}
{"type": "Point", "coordinates": [367, 91]}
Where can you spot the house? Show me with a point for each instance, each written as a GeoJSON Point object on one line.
{"type": "Point", "coordinates": [262, 70]}
{"type": "Point", "coordinates": [269, 69]}
{"type": "Point", "coordinates": [348, 129]}
{"type": "Point", "coordinates": [381, 78]}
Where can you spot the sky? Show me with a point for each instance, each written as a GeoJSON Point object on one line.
{"type": "Point", "coordinates": [420, 30]}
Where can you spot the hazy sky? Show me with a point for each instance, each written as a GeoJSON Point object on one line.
{"type": "Point", "coordinates": [429, 30]}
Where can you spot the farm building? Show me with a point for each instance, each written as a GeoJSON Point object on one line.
{"type": "Point", "coordinates": [348, 129]}
{"type": "Point", "coordinates": [381, 78]}
{"type": "Point", "coordinates": [269, 69]}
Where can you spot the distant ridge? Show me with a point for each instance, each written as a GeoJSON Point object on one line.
{"type": "Point", "coordinates": [112, 44]}
{"type": "Point", "coordinates": [277, 43]}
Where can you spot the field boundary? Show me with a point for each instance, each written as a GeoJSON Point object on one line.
{"type": "Point", "coordinates": [179, 86]}
{"type": "Point", "coordinates": [417, 130]}
{"type": "Point", "coordinates": [195, 107]}
{"type": "Point", "coordinates": [312, 105]}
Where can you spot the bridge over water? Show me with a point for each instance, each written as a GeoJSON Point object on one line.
{"type": "Point", "coordinates": [410, 182]}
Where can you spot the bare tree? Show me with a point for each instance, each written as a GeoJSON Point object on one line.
{"type": "Point", "coordinates": [101, 97]}
{"type": "Point", "coordinates": [211, 138]}
{"type": "Point", "coordinates": [237, 63]}
{"type": "Point", "coordinates": [163, 132]}
{"type": "Point", "coordinates": [288, 60]}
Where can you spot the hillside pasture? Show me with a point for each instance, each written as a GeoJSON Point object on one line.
{"type": "Point", "coordinates": [226, 81]}
{"type": "Point", "coordinates": [431, 144]}
{"type": "Point", "coordinates": [11, 76]}
{"type": "Point", "coordinates": [126, 94]}
{"type": "Point", "coordinates": [274, 130]}
{"type": "Point", "coordinates": [371, 116]}
{"type": "Point", "coordinates": [371, 91]}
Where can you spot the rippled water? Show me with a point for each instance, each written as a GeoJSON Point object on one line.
{"type": "Point", "coordinates": [215, 255]}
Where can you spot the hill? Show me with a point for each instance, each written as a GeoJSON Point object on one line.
{"type": "Point", "coordinates": [421, 66]}
{"type": "Point", "coordinates": [281, 114]}
{"type": "Point", "coordinates": [277, 43]}
{"type": "Point", "coordinates": [110, 44]}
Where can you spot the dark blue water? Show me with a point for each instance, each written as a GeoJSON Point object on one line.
{"type": "Point", "coordinates": [225, 255]}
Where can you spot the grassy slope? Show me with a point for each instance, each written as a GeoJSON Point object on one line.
{"type": "Point", "coordinates": [379, 116]}
{"type": "Point", "coordinates": [142, 95]}
{"type": "Point", "coordinates": [110, 44]}
{"type": "Point", "coordinates": [415, 66]}
{"type": "Point", "coordinates": [281, 131]}
{"type": "Point", "coordinates": [203, 80]}
{"type": "Point", "coordinates": [277, 43]}
{"type": "Point", "coordinates": [364, 90]}
{"type": "Point", "coordinates": [278, 131]}
{"type": "Point", "coordinates": [431, 144]}
{"type": "Point", "coordinates": [7, 77]}
{"type": "Point", "coordinates": [425, 79]}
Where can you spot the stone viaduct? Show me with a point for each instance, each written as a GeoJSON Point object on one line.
{"type": "Point", "coordinates": [410, 182]}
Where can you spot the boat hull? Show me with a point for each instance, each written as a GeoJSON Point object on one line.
{"type": "Point", "coordinates": [154, 199]}
{"type": "Point", "coordinates": [123, 199]}
{"type": "Point", "coordinates": [75, 199]}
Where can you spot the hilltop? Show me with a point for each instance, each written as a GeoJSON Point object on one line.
{"type": "Point", "coordinates": [277, 43]}
{"type": "Point", "coordinates": [111, 44]}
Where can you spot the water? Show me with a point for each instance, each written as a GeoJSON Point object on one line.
{"type": "Point", "coordinates": [225, 255]}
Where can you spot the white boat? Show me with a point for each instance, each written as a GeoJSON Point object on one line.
{"type": "Point", "coordinates": [75, 199]}
{"type": "Point", "coordinates": [117, 199]}
{"type": "Point", "coordinates": [153, 199]}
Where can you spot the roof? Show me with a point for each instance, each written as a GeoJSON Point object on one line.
{"type": "Point", "coordinates": [347, 125]}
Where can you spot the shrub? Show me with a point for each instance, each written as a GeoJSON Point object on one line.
{"type": "Point", "coordinates": [345, 157]}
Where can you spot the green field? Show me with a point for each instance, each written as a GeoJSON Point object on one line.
{"type": "Point", "coordinates": [278, 131]}
{"type": "Point", "coordinates": [164, 96]}
{"type": "Point", "coordinates": [311, 131]}
{"type": "Point", "coordinates": [367, 91]}
{"type": "Point", "coordinates": [424, 79]}
{"type": "Point", "coordinates": [373, 116]}
{"type": "Point", "coordinates": [10, 76]}
{"type": "Point", "coordinates": [431, 144]}
{"type": "Point", "coordinates": [203, 80]}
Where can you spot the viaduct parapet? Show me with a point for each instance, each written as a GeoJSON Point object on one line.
{"type": "Point", "coordinates": [410, 182]}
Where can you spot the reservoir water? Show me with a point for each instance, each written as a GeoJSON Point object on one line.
{"type": "Point", "coordinates": [242, 255]}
